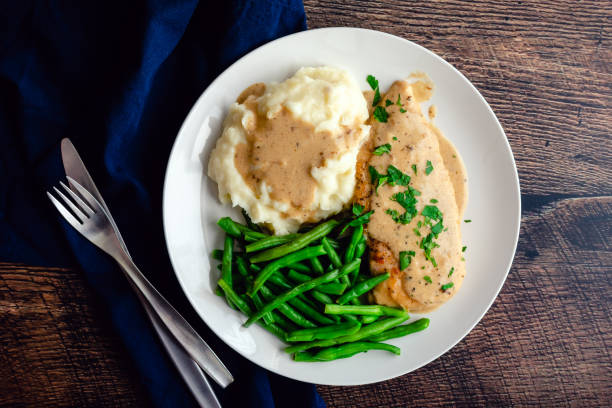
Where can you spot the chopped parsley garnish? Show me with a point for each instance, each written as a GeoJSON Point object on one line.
{"type": "Point", "coordinates": [377, 179]}
{"type": "Point", "coordinates": [397, 177]}
{"type": "Point", "coordinates": [382, 149]}
{"type": "Point", "coordinates": [419, 224]}
{"type": "Point", "coordinates": [404, 218]}
{"type": "Point", "coordinates": [414, 168]}
{"type": "Point", "coordinates": [372, 81]}
{"type": "Point", "coordinates": [427, 244]}
{"type": "Point", "coordinates": [447, 286]}
{"type": "Point", "coordinates": [405, 259]}
{"type": "Point", "coordinates": [451, 272]}
{"type": "Point", "coordinates": [467, 221]}
{"type": "Point", "coordinates": [402, 110]}
{"type": "Point", "coordinates": [437, 229]}
{"type": "Point", "coordinates": [428, 168]}
{"type": "Point", "coordinates": [432, 212]}
{"type": "Point", "coordinates": [357, 209]}
{"type": "Point", "coordinates": [376, 97]}
{"type": "Point", "coordinates": [380, 114]}
{"type": "Point", "coordinates": [388, 103]}
{"type": "Point", "coordinates": [374, 85]}
{"type": "Point", "coordinates": [427, 279]}
{"type": "Point", "coordinates": [399, 100]}
{"type": "Point", "coordinates": [433, 201]}
{"type": "Point", "coordinates": [416, 232]}
{"type": "Point", "coordinates": [463, 249]}
{"type": "Point", "coordinates": [394, 138]}
{"type": "Point", "coordinates": [360, 220]}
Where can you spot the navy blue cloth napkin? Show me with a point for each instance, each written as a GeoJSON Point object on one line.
{"type": "Point", "coordinates": [118, 78]}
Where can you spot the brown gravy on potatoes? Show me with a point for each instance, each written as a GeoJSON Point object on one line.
{"type": "Point", "coordinates": [414, 141]}
{"type": "Point", "coordinates": [281, 152]}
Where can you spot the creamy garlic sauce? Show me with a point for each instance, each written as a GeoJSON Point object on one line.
{"type": "Point", "coordinates": [415, 141]}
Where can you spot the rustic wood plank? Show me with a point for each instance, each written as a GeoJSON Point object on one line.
{"type": "Point", "coordinates": [547, 339]}
{"type": "Point", "coordinates": [55, 348]}
{"type": "Point", "coordinates": [543, 66]}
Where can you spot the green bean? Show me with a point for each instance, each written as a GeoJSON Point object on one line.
{"type": "Point", "coordinates": [326, 332]}
{"type": "Point", "coordinates": [234, 298]}
{"type": "Point", "coordinates": [289, 312]}
{"type": "Point", "coordinates": [334, 244]}
{"type": "Point", "coordinates": [303, 287]}
{"type": "Point", "coordinates": [309, 302]}
{"type": "Point", "coordinates": [305, 356]}
{"type": "Point", "coordinates": [370, 310]}
{"type": "Point", "coordinates": [282, 322]}
{"type": "Point", "coordinates": [252, 236]}
{"type": "Point", "coordinates": [365, 319]}
{"type": "Point", "coordinates": [350, 349]}
{"type": "Point", "coordinates": [331, 253]}
{"type": "Point", "coordinates": [333, 288]}
{"type": "Point", "coordinates": [270, 242]}
{"type": "Point", "coordinates": [272, 267]}
{"type": "Point", "coordinates": [255, 268]}
{"type": "Point", "coordinates": [250, 222]}
{"type": "Point", "coordinates": [217, 254]}
{"type": "Point", "coordinates": [299, 267]}
{"type": "Point", "coordinates": [267, 318]}
{"type": "Point", "coordinates": [246, 230]}
{"type": "Point", "coordinates": [333, 257]}
{"type": "Point", "coordinates": [242, 266]}
{"type": "Point", "coordinates": [361, 288]}
{"type": "Point", "coordinates": [377, 327]}
{"type": "Point", "coordinates": [316, 266]}
{"type": "Point", "coordinates": [401, 331]}
{"type": "Point", "coordinates": [355, 238]}
{"type": "Point", "coordinates": [303, 240]}
{"type": "Point", "coordinates": [298, 277]}
{"type": "Point", "coordinates": [276, 330]}
{"type": "Point", "coordinates": [349, 318]}
{"type": "Point", "coordinates": [280, 281]}
{"type": "Point", "coordinates": [229, 226]}
{"type": "Point", "coordinates": [361, 247]}
{"type": "Point", "coordinates": [226, 264]}
{"type": "Point", "coordinates": [309, 312]}
{"type": "Point", "coordinates": [321, 297]}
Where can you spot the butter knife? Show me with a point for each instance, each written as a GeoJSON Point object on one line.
{"type": "Point", "coordinates": [192, 374]}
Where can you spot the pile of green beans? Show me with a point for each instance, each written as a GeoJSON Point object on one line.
{"type": "Point", "coordinates": [310, 289]}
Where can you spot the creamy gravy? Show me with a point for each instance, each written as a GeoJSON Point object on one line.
{"type": "Point", "coordinates": [281, 152]}
{"type": "Point", "coordinates": [415, 141]}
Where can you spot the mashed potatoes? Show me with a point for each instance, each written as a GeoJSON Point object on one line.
{"type": "Point", "coordinates": [288, 151]}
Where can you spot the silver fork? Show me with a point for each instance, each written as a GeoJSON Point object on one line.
{"type": "Point", "coordinates": [91, 221]}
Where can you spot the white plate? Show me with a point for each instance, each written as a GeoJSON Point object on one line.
{"type": "Point", "coordinates": [191, 207]}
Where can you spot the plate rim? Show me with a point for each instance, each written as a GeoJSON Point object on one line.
{"type": "Point", "coordinates": [507, 145]}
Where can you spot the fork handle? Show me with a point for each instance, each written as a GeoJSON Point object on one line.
{"type": "Point", "coordinates": [191, 341]}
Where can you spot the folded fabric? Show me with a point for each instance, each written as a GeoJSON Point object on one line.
{"type": "Point", "coordinates": [118, 79]}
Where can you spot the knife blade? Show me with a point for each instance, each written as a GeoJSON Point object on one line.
{"type": "Point", "coordinates": [192, 374]}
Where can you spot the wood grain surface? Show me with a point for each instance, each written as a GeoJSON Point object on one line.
{"type": "Point", "coordinates": [544, 67]}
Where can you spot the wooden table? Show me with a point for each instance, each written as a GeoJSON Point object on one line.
{"type": "Point", "coordinates": [544, 67]}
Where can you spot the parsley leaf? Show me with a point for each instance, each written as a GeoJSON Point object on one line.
{"type": "Point", "coordinates": [402, 110]}
{"type": "Point", "coordinates": [382, 149]}
{"type": "Point", "coordinates": [437, 229]}
{"type": "Point", "coordinates": [404, 218]}
{"type": "Point", "coordinates": [433, 201]}
{"type": "Point", "coordinates": [467, 221]}
{"type": "Point", "coordinates": [377, 178]}
{"type": "Point", "coordinates": [427, 279]}
{"type": "Point", "coordinates": [432, 212]}
{"type": "Point", "coordinates": [414, 168]}
{"type": "Point", "coordinates": [451, 271]}
{"type": "Point", "coordinates": [372, 81]}
{"type": "Point", "coordinates": [357, 209]}
{"type": "Point", "coordinates": [429, 168]}
{"type": "Point", "coordinates": [362, 219]}
{"type": "Point", "coordinates": [399, 101]}
{"type": "Point", "coordinates": [380, 114]}
{"type": "Point", "coordinates": [405, 259]}
{"type": "Point", "coordinates": [376, 98]}
{"type": "Point", "coordinates": [388, 103]}
{"type": "Point", "coordinates": [427, 244]}
{"type": "Point", "coordinates": [394, 138]}
{"type": "Point", "coordinates": [463, 249]}
{"type": "Point", "coordinates": [397, 177]}
{"type": "Point", "coordinates": [447, 286]}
